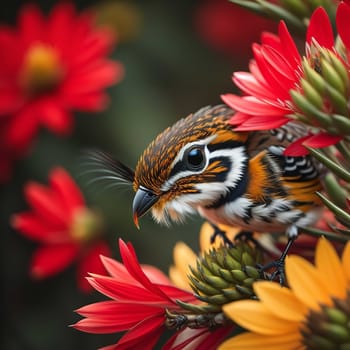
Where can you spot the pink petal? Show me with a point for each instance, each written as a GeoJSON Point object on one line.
{"type": "Point", "coordinates": [322, 139]}
{"type": "Point", "coordinates": [66, 190]}
{"type": "Point", "coordinates": [342, 20]}
{"type": "Point", "coordinates": [186, 337]}
{"type": "Point", "coordinates": [44, 203]}
{"type": "Point", "coordinates": [49, 260]}
{"type": "Point", "coordinates": [320, 28]}
{"type": "Point", "coordinates": [91, 263]}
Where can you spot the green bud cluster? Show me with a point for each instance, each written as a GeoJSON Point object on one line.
{"type": "Point", "coordinates": [224, 275]}
{"type": "Point", "coordinates": [328, 328]}
{"type": "Point", "coordinates": [322, 96]}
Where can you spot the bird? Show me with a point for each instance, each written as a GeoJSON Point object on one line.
{"type": "Point", "coordinates": [201, 164]}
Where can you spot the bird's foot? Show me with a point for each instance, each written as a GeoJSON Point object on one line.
{"type": "Point", "coordinates": [278, 266]}
{"type": "Point", "coordinates": [222, 234]}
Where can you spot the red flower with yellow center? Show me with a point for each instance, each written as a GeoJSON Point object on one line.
{"type": "Point", "coordinates": [140, 296]}
{"type": "Point", "coordinates": [65, 228]}
{"type": "Point", "coordinates": [48, 68]}
{"type": "Point", "coordinates": [283, 85]}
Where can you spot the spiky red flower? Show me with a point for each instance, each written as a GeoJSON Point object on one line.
{"type": "Point", "coordinates": [139, 297]}
{"type": "Point", "coordinates": [277, 70]}
{"type": "Point", "coordinates": [65, 228]}
{"type": "Point", "coordinates": [50, 67]}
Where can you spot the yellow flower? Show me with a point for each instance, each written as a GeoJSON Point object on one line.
{"type": "Point", "coordinates": [313, 313]}
{"type": "Point", "coordinates": [185, 257]}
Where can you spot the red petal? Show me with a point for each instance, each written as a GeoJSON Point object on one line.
{"type": "Point", "coordinates": [269, 74]}
{"type": "Point", "coordinates": [342, 20]}
{"type": "Point", "coordinates": [239, 118]}
{"type": "Point", "coordinates": [97, 45]}
{"type": "Point", "coordinates": [288, 47]}
{"type": "Point", "coordinates": [321, 140]}
{"type": "Point", "coordinates": [145, 335]}
{"type": "Point", "coordinates": [60, 24]}
{"type": "Point", "coordinates": [55, 117]}
{"type": "Point", "coordinates": [45, 204]}
{"type": "Point", "coordinates": [33, 228]}
{"type": "Point", "coordinates": [251, 105]}
{"type": "Point", "coordinates": [52, 259]}
{"type": "Point", "coordinates": [120, 290]}
{"type": "Point", "coordinates": [132, 265]}
{"type": "Point", "coordinates": [91, 263]}
{"type": "Point", "coordinates": [248, 83]}
{"type": "Point", "coordinates": [66, 190]}
{"type": "Point", "coordinates": [296, 148]}
{"type": "Point", "coordinates": [280, 67]}
{"type": "Point", "coordinates": [320, 28]}
{"type": "Point", "coordinates": [113, 316]}
{"type": "Point", "coordinates": [93, 78]}
{"type": "Point", "coordinates": [22, 129]}
{"type": "Point", "coordinates": [262, 123]}
{"type": "Point", "coordinates": [31, 24]}
{"type": "Point", "coordinates": [117, 270]}
{"type": "Point", "coordinates": [91, 102]}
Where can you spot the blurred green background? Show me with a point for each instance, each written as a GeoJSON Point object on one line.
{"type": "Point", "coordinates": [171, 70]}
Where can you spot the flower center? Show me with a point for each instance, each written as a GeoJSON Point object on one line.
{"type": "Point", "coordinates": [42, 70]}
{"type": "Point", "coordinates": [86, 225]}
{"type": "Point", "coordinates": [328, 328]}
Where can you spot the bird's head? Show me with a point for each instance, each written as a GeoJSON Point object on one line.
{"type": "Point", "coordinates": [198, 162]}
{"type": "Point", "coordinates": [194, 163]}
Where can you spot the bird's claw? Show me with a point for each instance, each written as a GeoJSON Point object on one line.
{"type": "Point", "coordinates": [278, 266]}
{"type": "Point", "coordinates": [221, 234]}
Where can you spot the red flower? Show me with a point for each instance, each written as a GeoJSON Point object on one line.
{"type": "Point", "coordinates": [139, 297]}
{"type": "Point", "coordinates": [276, 71]}
{"type": "Point", "coordinates": [220, 23]}
{"type": "Point", "coordinates": [65, 227]}
{"type": "Point", "coordinates": [48, 68]}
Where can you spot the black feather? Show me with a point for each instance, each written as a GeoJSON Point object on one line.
{"type": "Point", "coordinates": [103, 166]}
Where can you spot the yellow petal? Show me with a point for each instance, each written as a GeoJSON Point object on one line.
{"type": "Point", "coordinates": [305, 282]}
{"type": "Point", "coordinates": [280, 301]}
{"type": "Point", "coordinates": [178, 279]}
{"type": "Point", "coordinates": [183, 257]}
{"type": "Point", "coordinates": [330, 269]}
{"type": "Point", "coordinates": [253, 341]}
{"type": "Point", "coordinates": [346, 260]}
{"type": "Point", "coordinates": [256, 317]}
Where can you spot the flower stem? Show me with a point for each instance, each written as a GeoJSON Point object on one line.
{"type": "Point", "coordinates": [330, 235]}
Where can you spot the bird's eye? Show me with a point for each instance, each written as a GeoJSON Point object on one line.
{"type": "Point", "coordinates": [195, 158]}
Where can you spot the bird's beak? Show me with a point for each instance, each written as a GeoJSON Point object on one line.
{"type": "Point", "coordinates": [143, 201]}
